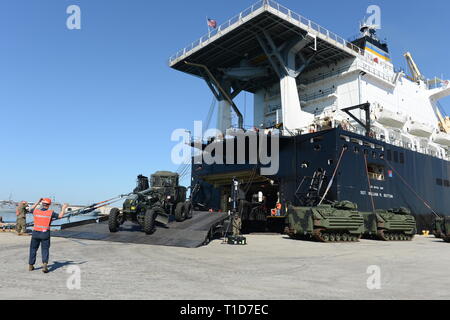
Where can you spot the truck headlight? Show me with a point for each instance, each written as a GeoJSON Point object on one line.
{"type": "Point", "coordinates": [133, 208]}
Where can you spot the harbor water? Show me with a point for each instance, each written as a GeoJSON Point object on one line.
{"type": "Point", "coordinates": [9, 216]}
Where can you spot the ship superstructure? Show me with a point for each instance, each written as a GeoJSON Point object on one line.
{"type": "Point", "coordinates": [309, 83]}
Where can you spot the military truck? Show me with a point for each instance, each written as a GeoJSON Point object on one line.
{"type": "Point", "coordinates": [336, 222]}
{"type": "Point", "coordinates": [390, 225]}
{"type": "Point", "coordinates": [159, 201]}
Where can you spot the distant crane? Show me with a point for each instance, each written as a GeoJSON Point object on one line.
{"type": "Point", "coordinates": [415, 72]}
{"type": "Point", "coordinates": [444, 122]}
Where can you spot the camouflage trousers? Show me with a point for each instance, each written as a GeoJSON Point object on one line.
{"type": "Point", "coordinates": [21, 225]}
{"type": "Point", "coordinates": [237, 225]}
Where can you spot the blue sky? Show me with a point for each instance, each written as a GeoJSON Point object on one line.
{"type": "Point", "coordinates": [83, 112]}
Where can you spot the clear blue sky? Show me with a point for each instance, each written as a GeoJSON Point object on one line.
{"type": "Point", "coordinates": [84, 112]}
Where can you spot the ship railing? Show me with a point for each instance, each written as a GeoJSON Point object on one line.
{"type": "Point", "coordinates": [314, 96]}
{"type": "Point", "coordinates": [327, 75]}
{"type": "Point", "coordinates": [313, 26]}
{"type": "Point", "coordinates": [218, 31]}
{"type": "Point", "coordinates": [281, 10]}
{"type": "Point", "coordinates": [347, 68]}
{"type": "Point", "coordinates": [376, 72]}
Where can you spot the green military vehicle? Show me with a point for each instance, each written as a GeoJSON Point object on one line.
{"type": "Point", "coordinates": [337, 222]}
{"type": "Point", "coordinates": [439, 227]}
{"type": "Point", "coordinates": [390, 225]}
{"type": "Point", "coordinates": [446, 229]}
{"type": "Point", "coordinates": [148, 204]}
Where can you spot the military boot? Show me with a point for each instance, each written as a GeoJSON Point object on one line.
{"type": "Point", "coordinates": [45, 268]}
{"type": "Point", "coordinates": [30, 268]}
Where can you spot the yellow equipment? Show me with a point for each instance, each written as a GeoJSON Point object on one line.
{"type": "Point", "coordinates": [415, 72]}
{"type": "Point", "coordinates": [444, 123]}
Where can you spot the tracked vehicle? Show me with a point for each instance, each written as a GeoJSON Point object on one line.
{"type": "Point", "coordinates": [338, 222]}
{"type": "Point", "coordinates": [446, 229]}
{"type": "Point", "coordinates": [439, 227]}
{"type": "Point", "coordinates": [390, 225]}
{"type": "Point", "coordinates": [161, 202]}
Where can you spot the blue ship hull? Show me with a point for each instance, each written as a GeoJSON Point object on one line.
{"type": "Point", "coordinates": [398, 177]}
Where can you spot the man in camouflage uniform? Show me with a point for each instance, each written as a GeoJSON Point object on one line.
{"type": "Point", "coordinates": [21, 213]}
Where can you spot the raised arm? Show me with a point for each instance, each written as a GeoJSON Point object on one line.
{"type": "Point", "coordinates": [36, 204]}
{"type": "Point", "coordinates": [63, 211]}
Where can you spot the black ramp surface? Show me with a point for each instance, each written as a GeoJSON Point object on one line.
{"type": "Point", "coordinates": [188, 234]}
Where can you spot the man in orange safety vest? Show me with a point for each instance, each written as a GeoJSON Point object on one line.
{"type": "Point", "coordinates": [43, 218]}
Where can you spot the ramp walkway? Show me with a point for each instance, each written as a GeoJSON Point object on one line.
{"type": "Point", "coordinates": [192, 233]}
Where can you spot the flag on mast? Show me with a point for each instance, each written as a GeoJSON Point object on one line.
{"type": "Point", "coordinates": [212, 23]}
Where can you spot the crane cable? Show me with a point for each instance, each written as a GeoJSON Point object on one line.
{"type": "Point", "coordinates": [413, 191]}
{"type": "Point", "coordinates": [183, 169]}
{"type": "Point", "coordinates": [334, 176]}
{"type": "Point", "coordinates": [89, 209]}
{"type": "Point", "coordinates": [368, 182]}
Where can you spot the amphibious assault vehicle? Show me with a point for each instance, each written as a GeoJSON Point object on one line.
{"type": "Point", "coordinates": [159, 202]}
{"type": "Point", "coordinates": [439, 227]}
{"type": "Point", "coordinates": [337, 222]}
{"type": "Point", "coordinates": [390, 225]}
{"type": "Point", "coordinates": [446, 229]}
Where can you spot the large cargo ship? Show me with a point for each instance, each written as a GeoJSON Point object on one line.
{"type": "Point", "coordinates": [349, 125]}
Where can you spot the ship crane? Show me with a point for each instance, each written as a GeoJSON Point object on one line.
{"type": "Point", "coordinates": [415, 72]}
{"type": "Point", "coordinates": [444, 122]}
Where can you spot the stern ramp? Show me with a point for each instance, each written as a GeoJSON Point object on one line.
{"type": "Point", "coordinates": [192, 233]}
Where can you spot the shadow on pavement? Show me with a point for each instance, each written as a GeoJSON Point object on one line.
{"type": "Point", "coordinates": [58, 265]}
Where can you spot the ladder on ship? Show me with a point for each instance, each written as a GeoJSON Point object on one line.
{"type": "Point", "coordinates": [312, 196]}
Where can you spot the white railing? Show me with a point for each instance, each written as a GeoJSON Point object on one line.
{"type": "Point", "coordinates": [238, 18]}
{"type": "Point", "coordinates": [280, 10]}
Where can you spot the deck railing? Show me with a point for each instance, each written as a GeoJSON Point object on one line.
{"type": "Point", "coordinates": [279, 9]}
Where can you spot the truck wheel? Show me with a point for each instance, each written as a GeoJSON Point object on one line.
{"type": "Point", "coordinates": [113, 220]}
{"type": "Point", "coordinates": [188, 209]}
{"type": "Point", "coordinates": [180, 213]}
{"type": "Point", "coordinates": [149, 221]}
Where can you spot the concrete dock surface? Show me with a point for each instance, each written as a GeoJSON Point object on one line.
{"type": "Point", "coordinates": [269, 267]}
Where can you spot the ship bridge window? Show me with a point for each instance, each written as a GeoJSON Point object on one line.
{"type": "Point", "coordinates": [375, 172]}
{"type": "Point", "coordinates": [446, 183]}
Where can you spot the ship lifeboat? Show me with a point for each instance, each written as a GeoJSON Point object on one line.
{"type": "Point", "coordinates": [390, 119]}
{"type": "Point", "coordinates": [420, 129]}
{"type": "Point", "coordinates": [442, 139]}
